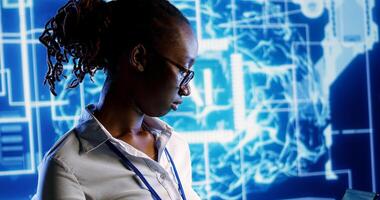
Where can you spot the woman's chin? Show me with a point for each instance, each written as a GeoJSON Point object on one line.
{"type": "Point", "coordinates": [159, 113]}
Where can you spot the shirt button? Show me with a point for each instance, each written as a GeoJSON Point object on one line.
{"type": "Point", "coordinates": [162, 176]}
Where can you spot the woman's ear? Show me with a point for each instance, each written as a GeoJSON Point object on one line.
{"type": "Point", "coordinates": [138, 57]}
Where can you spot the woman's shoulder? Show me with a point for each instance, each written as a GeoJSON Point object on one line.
{"type": "Point", "coordinates": [178, 138]}
{"type": "Point", "coordinates": [66, 146]}
{"type": "Point", "coordinates": [174, 137]}
{"type": "Point", "coordinates": [178, 146]}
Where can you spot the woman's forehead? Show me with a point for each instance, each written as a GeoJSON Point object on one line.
{"type": "Point", "coordinates": [180, 43]}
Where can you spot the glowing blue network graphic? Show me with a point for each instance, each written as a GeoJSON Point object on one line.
{"type": "Point", "coordinates": [268, 117]}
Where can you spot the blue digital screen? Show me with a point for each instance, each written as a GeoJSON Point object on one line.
{"type": "Point", "coordinates": [285, 103]}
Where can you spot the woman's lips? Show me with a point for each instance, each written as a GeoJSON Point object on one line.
{"type": "Point", "coordinates": [175, 105]}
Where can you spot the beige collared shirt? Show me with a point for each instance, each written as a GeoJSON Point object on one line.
{"type": "Point", "coordinates": [81, 166]}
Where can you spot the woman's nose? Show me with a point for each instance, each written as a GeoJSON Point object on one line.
{"type": "Point", "coordinates": [185, 90]}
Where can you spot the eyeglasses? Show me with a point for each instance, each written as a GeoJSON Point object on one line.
{"type": "Point", "coordinates": [187, 74]}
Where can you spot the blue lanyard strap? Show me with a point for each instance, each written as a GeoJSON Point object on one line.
{"type": "Point", "coordinates": [132, 167]}
{"type": "Point", "coordinates": [176, 175]}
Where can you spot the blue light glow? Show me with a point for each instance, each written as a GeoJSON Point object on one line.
{"type": "Point", "coordinates": [264, 119]}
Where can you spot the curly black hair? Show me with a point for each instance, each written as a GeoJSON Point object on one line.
{"type": "Point", "coordinates": [94, 33]}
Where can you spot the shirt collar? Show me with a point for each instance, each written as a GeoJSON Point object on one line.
{"type": "Point", "coordinates": [92, 135]}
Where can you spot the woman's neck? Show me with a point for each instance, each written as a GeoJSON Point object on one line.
{"type": "Point", "coordinates": [118, 112]}
{"type": "Point", "coordinates": [123, 120]}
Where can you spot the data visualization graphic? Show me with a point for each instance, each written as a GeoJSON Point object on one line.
{"type": "Point", "coordinates": [283, 102]}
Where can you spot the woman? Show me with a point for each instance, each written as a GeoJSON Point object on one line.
{"type": "Point", "coordinates": [119, 149]}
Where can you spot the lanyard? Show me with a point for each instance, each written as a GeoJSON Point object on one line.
{"type": "Point", "coordinates": [176, 175]}
{"type": "Point", "coordinates": [132, 167]}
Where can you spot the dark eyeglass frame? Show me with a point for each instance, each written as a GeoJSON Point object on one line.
{"type": "Point", "coordinates": [189, 74]}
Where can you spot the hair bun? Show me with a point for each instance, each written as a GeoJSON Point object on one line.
{"type": "Point", "coordinates": [76, 31]}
